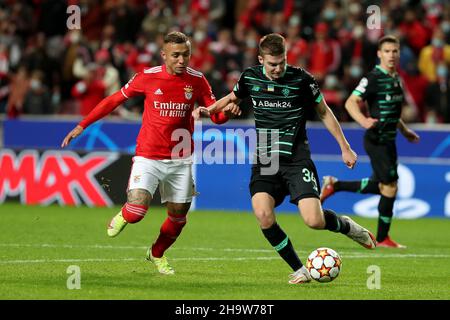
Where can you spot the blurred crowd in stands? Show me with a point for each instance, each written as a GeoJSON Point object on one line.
{"type": "Point", "coordinates": [45, 68]}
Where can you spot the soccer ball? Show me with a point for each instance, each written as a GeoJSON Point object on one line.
{"type": "Point", "coordinates": [324, 264]}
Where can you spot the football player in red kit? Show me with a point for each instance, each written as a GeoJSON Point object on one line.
{"type": "Point", "coordinates": [171, 91]}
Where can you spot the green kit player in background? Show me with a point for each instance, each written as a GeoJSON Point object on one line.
{"type": "Point", "coordinates": [382, 91]}
{"type": "Point", "coordinates": [281, 95]}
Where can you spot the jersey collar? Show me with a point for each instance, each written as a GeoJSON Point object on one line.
{"type": "Point", "coordinates": [282, 75]}
{"type": "Point", "coordinates": [385, 71]}
{"type": "Point", "coordinates": [164, 70]}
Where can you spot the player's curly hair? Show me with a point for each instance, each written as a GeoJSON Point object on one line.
{"type": "Point", "coordinates": [176, 37]}
{"type": "Point", "coordinates": [273, 44]}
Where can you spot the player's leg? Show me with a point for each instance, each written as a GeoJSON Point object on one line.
{"type": "Point", "coordinates": [386, 212]}
{"type": "Point", "coordinates": [386, 209]}
{"type": "Point", "coordinates": [303, 188]}
{"type": "Point", "coordinates": [331, 185]}
{"type": "Point", "coordinates": [383, 159]}
{"type": "Point", "coordinates": [176, 191]}
{"type": "Point", "coordinates": [263, 207]}
{"type": "Point", "coordinates": [316, 218]}
{"type": "Point", "coordinates": [133, 211]}
{"type": "Point", "coordinates": [267, 192]}
{"type": "Point", "coordinates": [168, 234]}
{"type": "Point", "coordinates": [142, 184]}
{"type": "Point", "coordinates": [302, 180]}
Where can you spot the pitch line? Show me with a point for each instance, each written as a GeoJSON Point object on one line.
{"type": "Point", "coordinates": [377, 256]}
{"type": "Point", "coordinates": [204, 259]}
{"type": "Point", "coordinates": [344, 254]}
{"type": "Point", "coordinates": [129, 259]}
{"type": "Point", "coordinates": [97, 246]}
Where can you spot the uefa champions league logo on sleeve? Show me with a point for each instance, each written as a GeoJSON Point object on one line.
{"type": "Point", "coordinates": [405, 207]}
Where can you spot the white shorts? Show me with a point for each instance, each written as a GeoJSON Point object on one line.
{"type": "Point", "coordinates": [174, 178]}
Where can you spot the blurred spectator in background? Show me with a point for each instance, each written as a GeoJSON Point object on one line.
{"type": "Point", "coordinates": [76, 49]}
{"type": "Point", "coordinates": [92, 19]}
{"type": "Point", "coordinates": [328, 37]}
{"type": "Point", "coordinates": [297, 47]}
{"type": "Point", "coordinates": [107, 72]}
{"type": "Point", "coordinates": [352, 73]}
{"type": "Point", "coordinates": [433, 54]}
{"type": "Point", "coordinates": [334, 95]}
{"type": "Point", "coordinates": [126, 19]}
{"type": "Point", "coordinates": [36, 57]}
{"type": "Point", "coordinates": [215, 79]}
{"type": "Point", "coordinates": [249, 48]}
{"type": "Point", "coordinates": [325, 53]}
{"type": "Point", "coordinates": [89, 91]}
{"type": "Point", "coordinates": [158, 20]}
{"type": "Point", "coordinates": [120, 52]}
{"type": "Point", "coordinates": [415, 86]}
{"type": "Point", "coordinates": [201, 42]}
{"type": "Point", "coordinates": [438, 97]}
{"type": "Point", "coordinates": [4, 71]}
{"type": "Point", "coordinates": [226, 54]}
{"type": "Point", "coordinates": [18, 88]}
{"type": "Point", "coordinates": [416, 34]}
{"type": "Point", "coordinates": [38, 97]}
{"type": "Point", "coordinates": [141, 55]}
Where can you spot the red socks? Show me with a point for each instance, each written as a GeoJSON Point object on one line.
{"type": "Point", "coordinates": [133, 213]}
{"type": "Point", "coordinates": [169, 232]}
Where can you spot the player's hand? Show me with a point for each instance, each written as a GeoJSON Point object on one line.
{"type": "Point", "coordinates": [411, 136]}
{"type": "Point", "coordinates": [369, 123]}
{"type": "Point", "coordinates": [199, 111]}
{"type": "Point", "coordinates": [72, 134]}
{"type": "Point", "coordinates": [232, 110]}
{"type": "Point", "coordinates": [349, 157]}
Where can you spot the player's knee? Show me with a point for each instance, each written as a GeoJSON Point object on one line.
{"type": "Point", "coordinates": [139, 197]}
{"type": "Point", "coordinates": [178, 208]}
{"type": "Point", "coordinates": [265, 217]}
{"type": "Point", "coordinates": [133, 213]}
{"type": "Point", "coordinates": [315, 222]}
{"type": "Point", "coordinates": [389, 189]}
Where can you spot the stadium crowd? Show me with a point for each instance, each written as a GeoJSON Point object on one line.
{"type": "Point", "coordinates": [47, 68]}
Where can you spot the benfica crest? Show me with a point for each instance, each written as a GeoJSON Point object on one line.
{"type": "Point", "coordinates": [188, 90]}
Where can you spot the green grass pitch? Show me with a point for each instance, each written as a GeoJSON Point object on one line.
{"type": "Point", "coordinates": [219, 255]}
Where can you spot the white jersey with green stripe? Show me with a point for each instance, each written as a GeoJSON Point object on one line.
{"type": "Point", "coordinates": [279, 107]}
{"type": "Point", "coordinates": [385, 98]}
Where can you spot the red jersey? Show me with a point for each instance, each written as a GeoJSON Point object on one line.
{"type": "Point", "coordinates": [168, 105]}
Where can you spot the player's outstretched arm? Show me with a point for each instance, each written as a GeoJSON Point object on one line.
{"type": "Point", "coordinates": [105, 107]}
{"type": "Point", "coordinates": [326, 115]}
{"type": "Point", "coordinates": [228, 104]}
{"type": "Point", "coordinates": [71, 135]}
{"type": "Point", "coordinates": [226, 101]}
